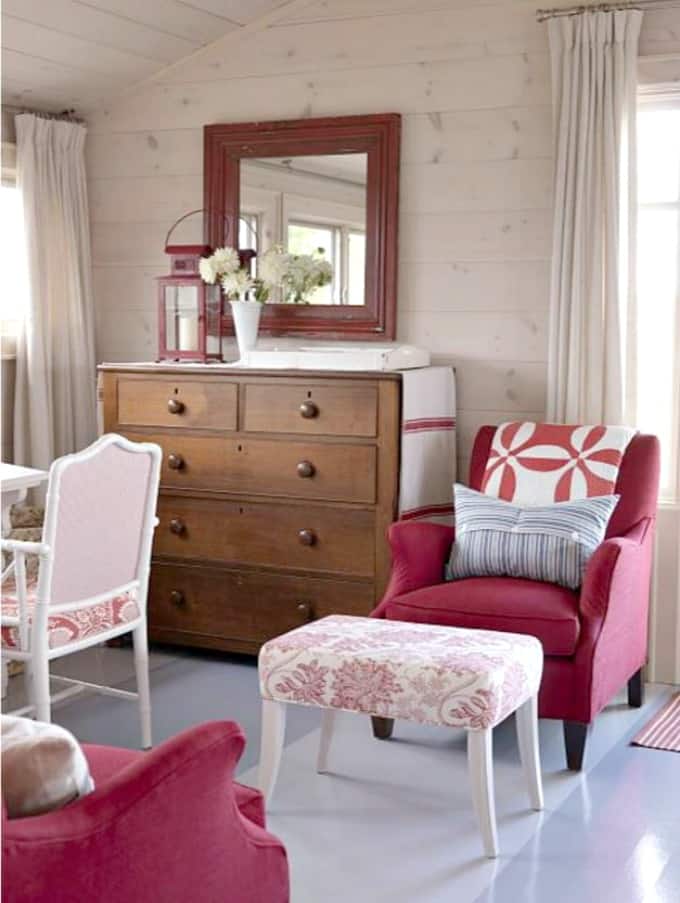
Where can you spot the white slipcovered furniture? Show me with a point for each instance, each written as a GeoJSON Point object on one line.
{"type": "Point", "coordinates": [447, 676]}
{"type": "Point", "coordinates": [93, 578]}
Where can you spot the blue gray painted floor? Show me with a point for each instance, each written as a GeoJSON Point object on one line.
{"type": "Point", "coordinates": [393, 820]}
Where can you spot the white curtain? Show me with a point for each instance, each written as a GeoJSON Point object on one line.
{"type": "Point", "coordinates": [55, 394]}
{"type": "Point", "coordinates": [591, 360]}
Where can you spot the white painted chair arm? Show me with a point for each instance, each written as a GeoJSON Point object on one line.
{"type": "Point", "coordinates": [24, 548]}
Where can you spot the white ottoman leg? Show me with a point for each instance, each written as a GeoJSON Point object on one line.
{"type": "Point", "coordinates": [480, 765]}
{"type": "Point", "coordinates": [327, 725]}
{"type": "Point", "coordinates": [271, 746]}
{"type": "Point", "coordinates": [526, 718]}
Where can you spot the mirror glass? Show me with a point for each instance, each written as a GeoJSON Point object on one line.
{"type": "Point", "coordinates": [307, 204]}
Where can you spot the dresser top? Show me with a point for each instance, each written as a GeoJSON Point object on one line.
{"type": "Point", "coordinates": [225, 369]}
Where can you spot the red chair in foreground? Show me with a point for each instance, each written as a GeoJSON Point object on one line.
{"type": "Point", "coordinates": [169, 825]}
{"type": "Point", "coordinates": [594, 640]}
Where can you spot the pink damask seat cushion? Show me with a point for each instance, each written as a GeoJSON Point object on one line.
{"type": "Point", "coordinates": [69, 627]}
{"type": "Point", "coordinates": [419, 672]}
{"type": "Point", "coordinates": [544, 610]}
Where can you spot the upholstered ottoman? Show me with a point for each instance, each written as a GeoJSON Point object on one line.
{"type": "Point", "coordinates": [448, 676]}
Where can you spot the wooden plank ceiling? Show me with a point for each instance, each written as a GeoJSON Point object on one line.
{"type": "Point", "coordinates": [63, 54]}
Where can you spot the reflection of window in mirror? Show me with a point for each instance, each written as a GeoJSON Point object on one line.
{"type": "Point", "coordinates": [344, 248]}
{"type": "Point", "coordinates": [249, 234]}
{"type": "Point", "coordinates": [310, 202]}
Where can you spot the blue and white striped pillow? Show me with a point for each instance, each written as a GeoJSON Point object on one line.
{"type": "Point", "coordinates": [552, 542]}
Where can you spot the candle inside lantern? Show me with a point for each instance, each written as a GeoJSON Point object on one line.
{"type": "Point", "coordinates": [188, 332]}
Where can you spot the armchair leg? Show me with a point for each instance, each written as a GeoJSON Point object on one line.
{"type": "Point", "coordinates": [636, 690]}
{"type": "Point", "coordinates": [382, 727]}
{"type": "Point", "coordinates": [575, 736]}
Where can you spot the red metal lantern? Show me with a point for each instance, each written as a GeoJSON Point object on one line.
{"type": "Point", "coordinates": [189, 310]}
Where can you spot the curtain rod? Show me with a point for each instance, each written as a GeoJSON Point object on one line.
{"type": "Point", "coordinates": [63, 116]}
{"type": "Point", "coordinates": [543, 14]}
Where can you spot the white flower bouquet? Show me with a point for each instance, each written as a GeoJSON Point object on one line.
{"type": "Point", "coordinates": [298, 275]}
{"type": "Point", "coordinates": [224, 266]}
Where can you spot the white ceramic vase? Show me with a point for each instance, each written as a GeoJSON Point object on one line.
{"type": "Point", "coordinates": [246, 316]}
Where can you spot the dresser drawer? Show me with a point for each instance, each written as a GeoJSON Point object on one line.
{"type": "Point", "coordinates": [311, 409]}
{"type": "Point", "coordinates": [184, 403]}
{"type": "Point", "coordinates": [289, 536]}
{"type": "Point", "coordinates": [232, 605]}
{"type": "Point", "coordinates": [305, 470]}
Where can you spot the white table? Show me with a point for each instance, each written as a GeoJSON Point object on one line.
{"type": "Point", "coordinates": [15, 482]}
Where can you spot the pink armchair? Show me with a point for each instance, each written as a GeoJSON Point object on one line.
{"type": "Point", "coordinates": [170, 825]}
{"type": "Point", "coordinates": [594, 640]}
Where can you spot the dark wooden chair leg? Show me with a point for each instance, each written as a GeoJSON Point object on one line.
{"type": "Point", "coordinates": [382, 727]}
{"type": "Point", "coordinates": [636, 690]}
{"type": "Point", "coordinates": [575, 736]}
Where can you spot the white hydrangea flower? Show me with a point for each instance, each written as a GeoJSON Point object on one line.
{"type": "Point", "coordinates": [236, 284]}
{"type": "Point", "coordinates": [207, 270]}
{"type": "Point", "coordinates": [273, 265]}
{"type": "Point", "coordinates": [226, 260]}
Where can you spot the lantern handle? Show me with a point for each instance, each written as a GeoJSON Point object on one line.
{"type": "Point", "coordinates": [186, 216]}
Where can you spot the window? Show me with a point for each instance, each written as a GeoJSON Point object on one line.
{"type": "Point", "coordinates": [344, 248]}
{"type": "Point", "coordinates": [14, 295]}
{"type": "Point", "coordinates": [249, 231]}
{"type": "Point", "coordinates": [658, 284]}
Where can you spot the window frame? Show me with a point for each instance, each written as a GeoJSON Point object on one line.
{"type": "Point", "coordinates": [341, 232]}
{"type": "Point", "coordinates": [656, 98]}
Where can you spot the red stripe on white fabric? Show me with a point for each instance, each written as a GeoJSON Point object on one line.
{"type": "Point", "coordinates": [426, 511]}
{"type": "Point", "coordinates": [429, 423]}
{"type": "Point", "coordinates": [663, 731]}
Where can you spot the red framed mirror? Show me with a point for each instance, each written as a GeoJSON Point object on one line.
{"type": "Point", "coordinates": [331, 183]}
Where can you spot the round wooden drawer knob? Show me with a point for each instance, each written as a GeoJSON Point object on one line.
{"type": "Point", "coordinates": [177, 526]}
{"type": "Point", "coordinates": [306, 469]}
{"type": "Point", "coordinates": [309, 410]}
{"type": "Point", "coordinates": [175, 462]}
{"type": "Point", "coordinates": [175, 406]}
{"type": "Point", "coordinates": [304, 609]}
{"type": "Point", "coordinates": [307, 537]}
{"type": "Point", "coordinates": [177, 598]}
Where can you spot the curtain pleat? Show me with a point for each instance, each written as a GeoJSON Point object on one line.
{"type": "Point", "coordinates": [591, 364]}
{"type": "Point", "coordinates": [55, 394]}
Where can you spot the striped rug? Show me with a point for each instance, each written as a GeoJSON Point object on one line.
{"type": "Point", "coordinates": [663, 731]}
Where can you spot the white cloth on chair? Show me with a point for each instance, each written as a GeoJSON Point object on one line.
{"type": "Point", "coordinates": [428, 445]}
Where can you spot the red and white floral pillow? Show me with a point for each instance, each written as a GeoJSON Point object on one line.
{"type": "Point", "coordinates": [540, 463]}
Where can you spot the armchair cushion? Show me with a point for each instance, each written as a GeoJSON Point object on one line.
{"type": "Point", "coordinates": [43, 767]}
{"type": "Point", "coordinates": [540, 463]}
{"type": "Point", "coordinates": [67, 626]}
{"type": "Point", "coordinates": [543, 610]}
{"type": "Point", "coordinates": [495, 538]}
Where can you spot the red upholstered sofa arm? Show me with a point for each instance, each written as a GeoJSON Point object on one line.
{"type": "Point", "coordinates": [419, 555]}
{"type": "Point", "coordinates": [166, 827]}
{"type": "Point", "coordinates": [618, 570]}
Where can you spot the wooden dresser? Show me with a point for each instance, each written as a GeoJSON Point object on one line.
{"type": "Point", "coordinates": [277, 489]}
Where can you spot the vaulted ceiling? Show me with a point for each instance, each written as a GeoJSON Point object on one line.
{"type": "Point", "coordinates": [61, 54]}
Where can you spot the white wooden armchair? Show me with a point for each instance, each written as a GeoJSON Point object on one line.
{"type": "Point", "coordinates": [93, 577]}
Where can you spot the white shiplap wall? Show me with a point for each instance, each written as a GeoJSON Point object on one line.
{"type": "Point", "coordinates": [471, 80]}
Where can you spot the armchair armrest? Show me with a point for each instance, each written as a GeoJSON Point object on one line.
{"type": "Point", "coordinates": [20, 546]}
{"type": "Point", "coordinates": [419, 553]}
{"type": "Point", "coordinates": [170, 817]}
{"type": "Point", "coordinates": [615, 569]}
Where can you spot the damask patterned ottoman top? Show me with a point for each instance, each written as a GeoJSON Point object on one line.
{"type": "Point", "coordinates": [419, 672]}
